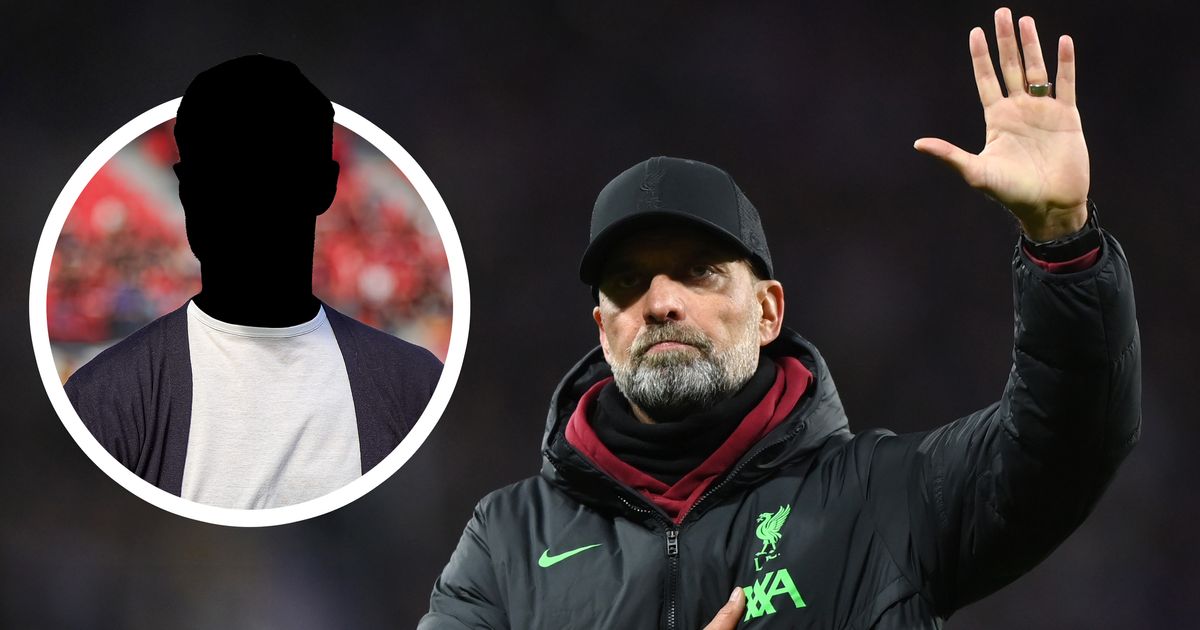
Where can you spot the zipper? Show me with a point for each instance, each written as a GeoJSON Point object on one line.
{"type": "Point", "coordinates": [672, 543]}
{"type": "Point", "coordinates": [672, 576]}
{"type": "Point", "coordinates": [672, 533]}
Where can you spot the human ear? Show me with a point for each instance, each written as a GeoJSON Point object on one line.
{"type": "Point", "coordinates": [769, 294]}
{"type": "Point", "coordinates": [600, 329]}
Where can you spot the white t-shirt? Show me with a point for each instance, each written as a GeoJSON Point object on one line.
{"type": "Point", "coordinates": [273, 420]}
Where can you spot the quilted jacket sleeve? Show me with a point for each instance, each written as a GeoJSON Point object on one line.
{"type": "Point", "coordinates": [988, 496]}
{"type": "Point", "coordinates": [467, 595]}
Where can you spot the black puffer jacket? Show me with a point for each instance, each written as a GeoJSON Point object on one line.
{"type": "Point", "coordinates": [823, 528]}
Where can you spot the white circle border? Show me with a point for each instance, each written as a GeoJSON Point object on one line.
{"type": "Point", "coordinates": [460, 322]}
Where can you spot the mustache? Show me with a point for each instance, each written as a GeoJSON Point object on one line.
{"type": "Point", "coordinates": [669, 332]}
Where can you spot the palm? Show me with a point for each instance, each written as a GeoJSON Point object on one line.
{"type": "Point", "coordinates": [1034, 160]}
{"type": "Point", "coordinates": [1034, 156]}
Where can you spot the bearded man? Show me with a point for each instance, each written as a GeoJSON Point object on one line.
{"type": "Point", "coordinates": [702, 448]}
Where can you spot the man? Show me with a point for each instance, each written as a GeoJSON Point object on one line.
{"type": "Point", "coordinates": [702, 449]}
{"type": "Point", "coordinates": [254, 394]}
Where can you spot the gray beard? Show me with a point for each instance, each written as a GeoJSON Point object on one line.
{"type": "Point", "coordinates": [672, 384]}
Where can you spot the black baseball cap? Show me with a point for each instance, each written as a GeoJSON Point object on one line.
{"type": "Point", "coordinates": [665, 190]}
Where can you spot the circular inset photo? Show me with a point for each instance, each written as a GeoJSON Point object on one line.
{"type": "Point", "coordinates": [249, 306]}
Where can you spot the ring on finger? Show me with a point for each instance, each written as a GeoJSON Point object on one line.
{"type": "Point", "coordinates": [1039, 89]}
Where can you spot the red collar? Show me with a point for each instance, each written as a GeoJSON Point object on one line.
{"type": "Point", "coordinates": [791, 380]}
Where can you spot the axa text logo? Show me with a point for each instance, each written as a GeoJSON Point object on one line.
{"type": "Point", "coordinates": [760, 596]}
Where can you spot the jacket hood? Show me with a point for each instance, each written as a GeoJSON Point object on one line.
{"type": "Point", "coordinates": [817, 417]}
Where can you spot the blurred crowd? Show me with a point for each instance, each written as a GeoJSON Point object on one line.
{"type": "Point", "coordinates": [123, 259]}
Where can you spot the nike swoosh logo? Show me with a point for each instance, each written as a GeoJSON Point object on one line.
{"type": "Point", "coordinates": [548, 560]}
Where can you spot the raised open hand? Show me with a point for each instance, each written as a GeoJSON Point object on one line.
{"type": "Point", "coordinates": [1034, 160]}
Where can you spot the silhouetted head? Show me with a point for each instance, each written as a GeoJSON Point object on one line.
{"type": "Point", "coordinates": [256, 165]}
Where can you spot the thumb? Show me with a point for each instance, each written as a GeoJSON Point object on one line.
{"type": "Point", "coordinates": [967, 164]}
{"type": "Point", "coordinates": [727, 618]}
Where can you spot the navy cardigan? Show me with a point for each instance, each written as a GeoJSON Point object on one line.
{"type": "Point", "coordinates": [136, 397]}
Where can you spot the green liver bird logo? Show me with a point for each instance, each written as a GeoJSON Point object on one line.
{"type": "Point", "coordinates": [768, 532]}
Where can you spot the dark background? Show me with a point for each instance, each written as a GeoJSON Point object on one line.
{"type": "Point", "coordinates": [520, 114]}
